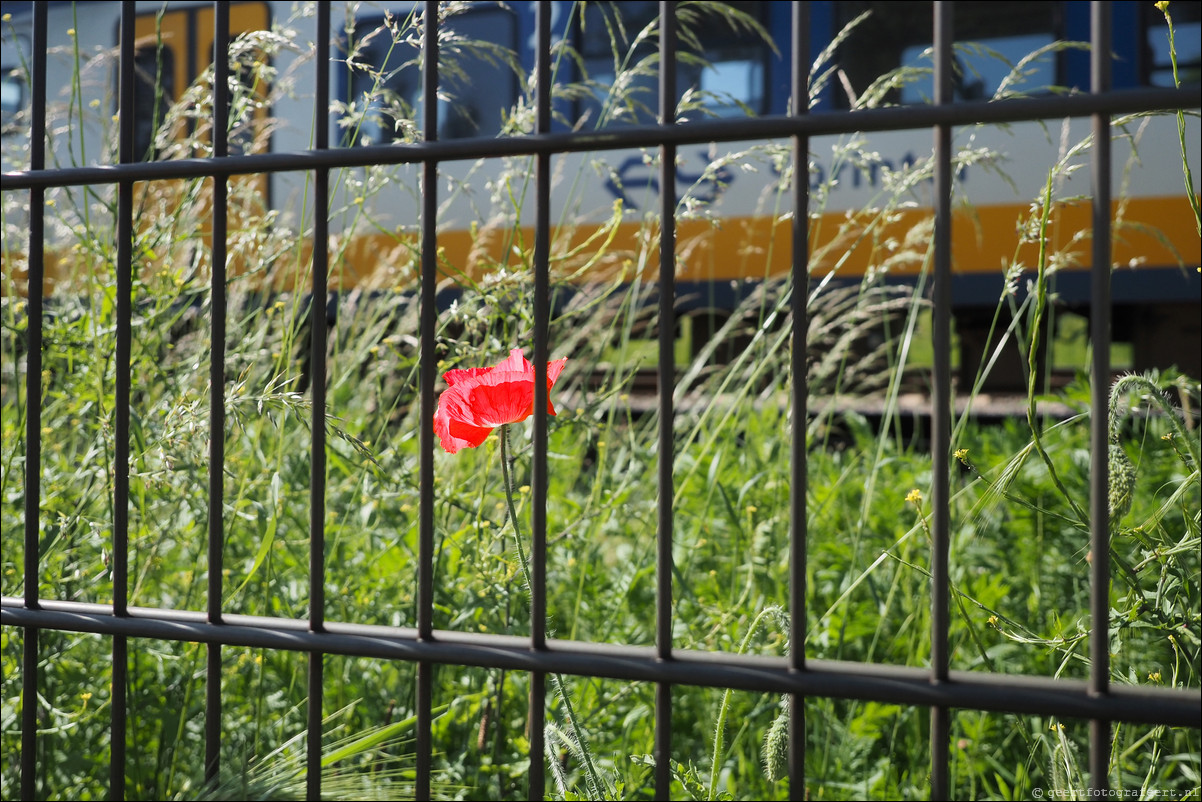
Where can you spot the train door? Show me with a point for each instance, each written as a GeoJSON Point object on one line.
{"type": "Point", "coordinates": [174, 114]}
{"type": "Point", "coordinates": [175, 47]}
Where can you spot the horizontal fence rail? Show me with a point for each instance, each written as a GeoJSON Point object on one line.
{"type": "Point", "coordinates": [1125, 101]}
{"type": "Point", "coordinates": [935, 686]}
{"type": "Point", "coordinates": [882, 683]}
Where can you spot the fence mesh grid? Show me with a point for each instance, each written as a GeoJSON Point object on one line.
{"type": "Point", "coordinates": [938, 688]}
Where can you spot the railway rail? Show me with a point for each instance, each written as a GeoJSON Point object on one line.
{"type": "Point", "coordinates": [637, 393]}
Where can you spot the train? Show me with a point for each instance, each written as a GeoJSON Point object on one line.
{"type": "Point", "coordinates": [869, 195]}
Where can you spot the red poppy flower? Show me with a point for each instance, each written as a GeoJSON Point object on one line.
{"type": "Point", "coordinates": [480, 399]}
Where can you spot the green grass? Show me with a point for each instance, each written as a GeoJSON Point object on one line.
{"type": "Point", "coordinates": [1019, 557]}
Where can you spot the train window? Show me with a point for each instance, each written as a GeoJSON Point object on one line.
{"type": "Point", "coordinates": [12, 98]}
{"type": "Point", "coordinates": [13, 91]}
{"type": "Point", "coordinates": [979, 73]}
{"type": "Point", "coordinates": [722, 65]}
{"type": "Point", "coordinates": [1187, 36]}
{"type": "Point", "coordinates": [384, 81]}
{"type": "Point", "coordinates": [992, 38]}
{"type": "Point", "coordinates": [175, 47]}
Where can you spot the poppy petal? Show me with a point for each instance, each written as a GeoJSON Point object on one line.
{"type": "Point", "coordinates": [553, 371]}
{"type": "Point", "coordinates": [500, 398]}
{"type": "Point", "coordinates": [453, 377]}
{"type": "Point", "coordinates": [455, 433]}
{"type": "Point", "coordinates": [514, 362]}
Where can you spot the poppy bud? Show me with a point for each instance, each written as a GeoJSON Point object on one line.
{"type": "Point", "coordinates": [1122, 482]}
{"type": "Point", "coordinates": [776, 747]}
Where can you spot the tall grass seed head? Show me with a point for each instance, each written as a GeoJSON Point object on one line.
{"type": "Point", "coordinates": [1122, 482]}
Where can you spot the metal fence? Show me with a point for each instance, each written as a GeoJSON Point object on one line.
{"type": "Point", "coordinates": [663, 665]}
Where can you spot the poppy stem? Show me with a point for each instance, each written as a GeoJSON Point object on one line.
{"type": "Point", "coordinates": [512, 508]}
{"type": "Point", "coordinates": [597, 785]}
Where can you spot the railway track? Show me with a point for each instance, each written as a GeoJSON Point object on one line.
{"type": "Point", "coordinates": [637, 392]}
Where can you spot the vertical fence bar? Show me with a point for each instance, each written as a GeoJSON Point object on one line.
{"type": "Point", "coordinates": [429, 364]}
{"type": "Point", "coordinates": [1099, 335]}
{"type": "Point", "coordinates": [1100, 729]}
{"type": "Point", "coordinates": [121, 400]}
{"type": "Point", "coordinates": [798, 454]}
{"type": "Point", "coordinates": [317, 361]}
{"type": "Point", "coordinates": [666, 384]}
{"type": "Point", "coordinates": [542, 325]}
{"type": "Point", "coordinates": [221, 102]}
{"type": "Point", "coordinates": [33, 404]}
{"type": "Point", "coordinates": [941, 399]}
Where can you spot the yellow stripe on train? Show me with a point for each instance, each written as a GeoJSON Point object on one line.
{"type": "Point", "coordinates": [1151, 232]}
